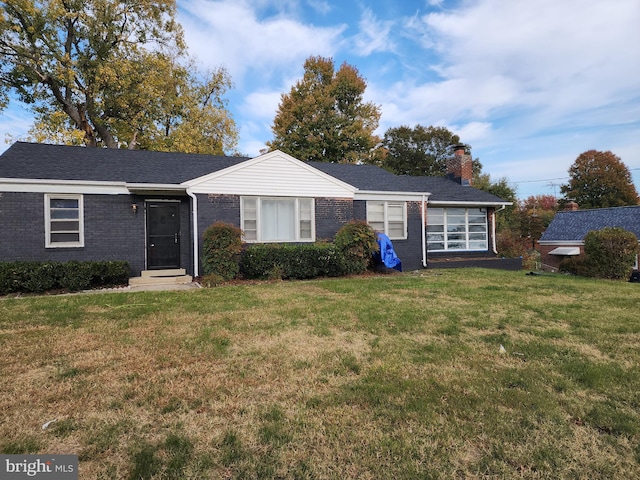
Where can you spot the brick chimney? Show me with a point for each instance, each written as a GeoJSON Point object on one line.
{"type": "Point", "coordinates": [571, 206]}
{"type": "Point", "coordinates": [460, 166]}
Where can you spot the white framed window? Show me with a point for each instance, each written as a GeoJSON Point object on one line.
{"type": "Point", "coordinates": [457, 229]}
{"type": "Point", "coordinates": [277, 219]}
{"type": "Point", "coordinates": [63, 220]}
{"type": "Point", "coordinates": [389, 218]}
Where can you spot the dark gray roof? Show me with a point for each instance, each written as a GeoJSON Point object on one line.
{"type": "Point", "coordinates": [59, 162]}
{"type": "Point", "coordinates": [574, 225]}
{"type": "Point", "coordinates": [370, 177]}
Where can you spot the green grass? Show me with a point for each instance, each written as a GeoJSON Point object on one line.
{"type": "Point", "coordinates": [389, 376]}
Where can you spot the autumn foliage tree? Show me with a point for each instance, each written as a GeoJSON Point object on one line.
{"type": "Point", "coordinates": [324, 118]}
{"type": "Point", "coordinates": [599, 180]}
{"type": "Point", "coordinates": [111, 73]}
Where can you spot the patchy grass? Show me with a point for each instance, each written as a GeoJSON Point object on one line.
{"type": "Point", "coordinates": [370, 377]}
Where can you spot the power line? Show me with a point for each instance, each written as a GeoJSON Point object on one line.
{"type": "Point", "coordinates": [551, 179]}
{"type": "Point", "coordinates": [537, 181]}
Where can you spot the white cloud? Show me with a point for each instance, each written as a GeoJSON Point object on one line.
{"type": "Point", "coordinates": [564, 57]}
{"type": "Point", "coordinates": [373, 35]}
{"type": "Point", "coordinates": [261, 105]}
{"type": "Point", "coordinates": [320, 6]}
{"type": "Point", "coordinates": [230, 33]}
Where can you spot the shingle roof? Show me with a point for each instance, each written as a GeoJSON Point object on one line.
{"type": "Point", "coordinates": [574, 225]}
{"type": "Point", "coordinates": [370, 177]}
{"type": "Point", "coordinates": [59, 162]}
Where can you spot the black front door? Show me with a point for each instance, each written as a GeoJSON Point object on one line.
{"type": "Point", "coordinates": [163, 235]}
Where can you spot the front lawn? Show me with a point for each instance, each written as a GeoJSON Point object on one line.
{"type": "Point", "coordinates": [378, 377]}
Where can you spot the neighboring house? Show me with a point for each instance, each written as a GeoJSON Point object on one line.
{"type": "Point", "coordinates": [565, 234]}
{"type": "Point", "coordinates": [151, 208]}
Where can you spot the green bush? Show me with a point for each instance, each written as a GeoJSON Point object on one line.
{"type": "Point", "coordinates": [577, 266]}
{"type": "Point", "coordinates": [38, 277]}
{"type": "Point", "coordinates": [608, 253]}
{"type": "Point", "coordinates": [611, 252]}
{"type": "Point", "coordinates": [75, 276]}
{"type": "Point", "coordinates": [222, 247]}
{"type": "Point", "coordinates": [357, 242]}
{"type": "Point", "coordinates": [292, 261]}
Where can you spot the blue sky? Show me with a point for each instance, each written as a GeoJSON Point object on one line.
{"type": "Point", "coordinates": [528, 84]}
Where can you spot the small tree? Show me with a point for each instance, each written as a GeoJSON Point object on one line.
{"type": "Point", "coordinates": [222, 247]}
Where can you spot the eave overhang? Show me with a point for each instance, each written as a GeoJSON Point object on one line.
{"type": "Point", "coordinates": [383, 195]}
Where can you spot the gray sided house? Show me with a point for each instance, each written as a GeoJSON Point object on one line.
{"type": "Point", "coordinates": [61, 203]}
{"type": "Point", "coordinates": [565, 234]}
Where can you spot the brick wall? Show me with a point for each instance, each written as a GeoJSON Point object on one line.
{"type": "Point", "coordinates": [112, 231]}
{"type": "Point", "coordinates": [552, 262]}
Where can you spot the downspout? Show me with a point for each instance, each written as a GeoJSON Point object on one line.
{"type": "Point", "coordinates": [194, 221]}
{"type": "Point", "coordinates": [493, 229]}
{"type": "Point", "coordinates": [424, 235]}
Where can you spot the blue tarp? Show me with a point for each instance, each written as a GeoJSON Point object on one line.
{"type": "Point", "coordinates": [387, 254]}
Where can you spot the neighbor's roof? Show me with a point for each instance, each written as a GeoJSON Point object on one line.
{"type": "Point", "coordinates": [59, 162]}
{"type": "Point", "coordinates": [574, 225]}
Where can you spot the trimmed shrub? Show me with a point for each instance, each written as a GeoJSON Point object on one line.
{"type": "Point", "coordinates": [109, 273]}
{"type": "Point", "coordinates": [74, 276]}
{"type": "Point", "coordinates": [292, 261]}
{"type": "Point", "coordinates": [357, 242]}
{"type": "Point", "coordinates": [38, 277]}
{"type": "Point", "coordinates": [222, 248]}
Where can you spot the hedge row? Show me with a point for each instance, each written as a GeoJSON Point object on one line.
{"type": "Point", "coordinates": [284, 261]}
{"type": "Point", "coordinates": [38, 277]}
{"type": "Point", "coordinates": [224, 257]}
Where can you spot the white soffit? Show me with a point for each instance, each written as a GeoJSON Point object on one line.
{"type": "Point", "coordinates": [272, 174]}
{"type": "Point", "coordinates": [565, 251]}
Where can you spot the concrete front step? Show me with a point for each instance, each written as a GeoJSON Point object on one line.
{"type": "Point", "coordinates": [173, 272]}
{"type": "Point", "coordinates": [161, 277]}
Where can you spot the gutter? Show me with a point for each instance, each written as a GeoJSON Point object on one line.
{"type": "Point", "coordinates": [493, 229]}
{"type": "Point", "coordinates": [194, 214]}
{"type": "Point", "coordinates": [423, 215]}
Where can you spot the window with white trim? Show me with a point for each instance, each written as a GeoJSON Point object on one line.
{"type": "Point", "coordinates": [456, 229]}
{"type": "Point", "coordinates": [389, 218]}
{"type": "Point", "coordinates": [277, 219]}
{"type": "Point", "coordinates": [64, 220]}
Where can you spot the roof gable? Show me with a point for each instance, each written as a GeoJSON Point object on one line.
{"type": "Point", "coordinates": [573, 226]}
{"type": "Point", "coordinates": [274, 173]}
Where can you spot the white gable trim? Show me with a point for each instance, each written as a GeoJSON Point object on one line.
{"type": "Point", "coordinates": [61, 186]}
{"type": "Point", "coordinates": [390, 196]}
{"type": "Point", "coordinates": [447, 203]}
{"type": "Point", "coordinates": [272, 174]}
